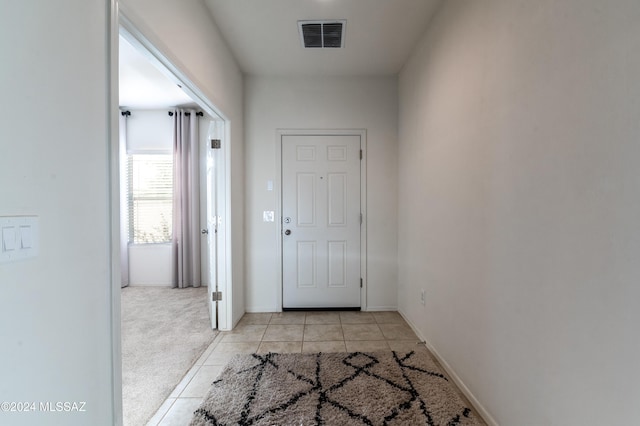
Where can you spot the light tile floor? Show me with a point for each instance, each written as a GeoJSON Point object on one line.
{"type": "Point", "coordinates": [286, 332]}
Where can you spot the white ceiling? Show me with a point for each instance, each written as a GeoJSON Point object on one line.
{"type": "Point", "coordinates": [142, 85]}
{"type": "Point", "coordinates": [263, 34]}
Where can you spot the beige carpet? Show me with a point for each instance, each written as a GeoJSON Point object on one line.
{"type": "Point", "coordinates": [378, 388]}
{"type": "Point", "coordinates": [164, 331]}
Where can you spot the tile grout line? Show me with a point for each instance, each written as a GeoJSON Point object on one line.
{"type": "Point", "coordinates": [194, 368]}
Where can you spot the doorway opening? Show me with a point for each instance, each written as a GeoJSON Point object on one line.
{"type": "Point", "coordinates": [214, 177]}
{"type": "Point", "coordinates": [146, 159]}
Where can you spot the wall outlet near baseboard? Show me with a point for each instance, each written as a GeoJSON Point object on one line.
{"type": "Point", "coordinates": [422, 297]}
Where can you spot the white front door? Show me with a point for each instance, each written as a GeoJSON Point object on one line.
{"type": "Point", "coordinates": [321, 220]}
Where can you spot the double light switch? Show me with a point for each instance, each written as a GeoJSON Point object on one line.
{"type": "Point", "coordinates": [19, 238]}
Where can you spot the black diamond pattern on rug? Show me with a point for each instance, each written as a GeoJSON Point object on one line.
{"type": "Point", "coordinates": [383, 388]}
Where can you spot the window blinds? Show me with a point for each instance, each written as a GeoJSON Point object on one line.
{"type": "Point", "coordinates": [150, 198]}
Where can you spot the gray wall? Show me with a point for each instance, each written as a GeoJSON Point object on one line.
{"type": "Point", "coordinates": [320, 103]}
{"type": "Point", "coordinates": [519, 205]}
{"type": "Point", "coordinates": [55, 310]}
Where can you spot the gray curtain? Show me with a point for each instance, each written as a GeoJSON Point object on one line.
{"type": "Point", "coordinates": [186, 199]}
{"type": "Point", "coordinates": [124, 208]}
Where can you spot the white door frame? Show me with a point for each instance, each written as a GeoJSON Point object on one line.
{"type": "Point", "coordinates": [217, 235]}
{"type": "Point", "coordinates": [114, 194]}
{"type": "Point", "coordinates": [363, 200]}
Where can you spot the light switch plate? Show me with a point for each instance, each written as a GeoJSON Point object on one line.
{"type": "Point", "coordinates": [25, 237]}
{"type": "Point", "coordinates": [19, 238]}
{"type": "Point", "coordinates": [268, 216]}
{"type": "Point", "coordinates": [8, 238]}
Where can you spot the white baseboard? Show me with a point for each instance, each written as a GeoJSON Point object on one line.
{"type": "Point", "coordinates": [260, 309]}
{"type": "Point", "coordinates": [381, 308]}
{"type": "Point", "coordinates": [482, 412]}
{"type": "Point", "coordinates": [269, 309]}
{"type": "Point", "coordinates": [150, 285]}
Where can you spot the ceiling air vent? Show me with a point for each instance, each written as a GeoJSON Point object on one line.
{"type": "Point", "coordinates": [322, 34]}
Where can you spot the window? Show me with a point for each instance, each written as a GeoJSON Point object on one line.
{"type": "Point", "coordinates": [150, 198]}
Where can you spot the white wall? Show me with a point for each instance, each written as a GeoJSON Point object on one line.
{"type": "Point", "coordinates": [151, 265]}
{"type": "Point", "coordinates": [519, 205]}
{"type": "Point", "coordinates": [185, 33]}
{"type": "Point", "coordinates": [152, 131]}
{"type": "Point", "coordinates": [149, 131]}
{"type": "Point", "coordinates": [320, 103]}
{"type": "Point", "coordinates": [55, 310]}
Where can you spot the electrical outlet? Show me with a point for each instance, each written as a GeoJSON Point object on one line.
{"type": "Point", "coordinates": [422, 298]}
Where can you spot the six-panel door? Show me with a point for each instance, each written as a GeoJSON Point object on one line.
{"type": "Point", "coordinates": [321, 221]}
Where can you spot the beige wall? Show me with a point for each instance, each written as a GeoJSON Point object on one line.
{"type": "Point", "coordinates": [320, 103]}
{"type": "Point", "coordinates": [519, 204]}
{"type": "Point", "coordinates": [55, 309]}
{"type": "Point", "coordinates": [185, 33]}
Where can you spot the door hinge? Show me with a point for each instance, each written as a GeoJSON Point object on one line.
{"type": "Point", "coordinates": [360, 282]}
{"type": "Point", "coordinates": [360, 218]}
{"type": "Point", "coordinates": [216, 296]}
{"type": "Point", "coordinates": [216, 144]}
{"type": "Point", "coordinates": [361, 154]}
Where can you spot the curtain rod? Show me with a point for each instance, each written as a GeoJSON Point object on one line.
{"type": "Point", "coordinates": [128, 113]}
{"type": "Point", "coordinates": [199, 113]}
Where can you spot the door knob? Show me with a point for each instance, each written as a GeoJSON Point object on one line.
{"type": "Point", "coordinates": [204, 231]}
{"type": "Point", "coordinates": [287, 232]}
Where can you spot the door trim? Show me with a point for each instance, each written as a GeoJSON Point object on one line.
{"type": "Point", "coordinates": [363, 200]}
